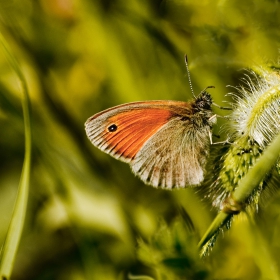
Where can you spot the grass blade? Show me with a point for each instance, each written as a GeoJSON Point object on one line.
{"type": "Point", "coordinates": [12, 240]}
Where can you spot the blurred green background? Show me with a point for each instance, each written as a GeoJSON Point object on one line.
{"type": "Point", "coordinates": [88, 216]}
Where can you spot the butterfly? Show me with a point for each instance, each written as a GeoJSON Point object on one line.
{"type": "Point", "coordinates": [166, 143]}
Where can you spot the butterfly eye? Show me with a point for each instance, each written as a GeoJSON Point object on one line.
{"type": "Point", "coordinates": [112, 128]}
{"type": "Point", "coordinates": [185, 118]}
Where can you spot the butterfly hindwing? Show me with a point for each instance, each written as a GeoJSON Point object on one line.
{"type": "Point", "coordinates": [172, 158]}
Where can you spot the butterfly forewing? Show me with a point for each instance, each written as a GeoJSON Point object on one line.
{"type": "Point", "coordinates": [135, 124]}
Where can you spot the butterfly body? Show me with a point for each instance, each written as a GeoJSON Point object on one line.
{"type": "Point", "coordinates": [166, 143]}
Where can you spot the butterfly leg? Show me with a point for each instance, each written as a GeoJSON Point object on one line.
{"type": "Point", "coordinates": [223, 142]}
{"type": "Point", "coordinates": [210, 136]}
{"type": "Point", "coordinates": [221, 107]}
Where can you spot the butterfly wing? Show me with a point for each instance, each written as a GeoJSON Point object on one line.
{"type": "Point", "coordinates": [152, 137]}
{"type": "Point", "coordinates": [121, 131]}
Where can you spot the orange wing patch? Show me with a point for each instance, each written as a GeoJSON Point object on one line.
{"type": "Point", "coordinates": [134, 128]}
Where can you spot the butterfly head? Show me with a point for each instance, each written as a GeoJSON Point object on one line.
{"type": "Point", "coordinates": [203, 101]}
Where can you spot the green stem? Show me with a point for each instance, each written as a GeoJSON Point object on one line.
{"type": "Point", "coordinates": [258, 172]}
{"type": "Point", "coordinates": [219, 221]}
{"type": "Point", "coordinates": [10, 247]}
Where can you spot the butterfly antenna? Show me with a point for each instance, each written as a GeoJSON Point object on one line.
{"type": "Point", "coordinates": [189, 75]}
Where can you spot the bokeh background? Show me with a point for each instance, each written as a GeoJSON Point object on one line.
{"type": "Point", "coordinates": [88, 216]}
